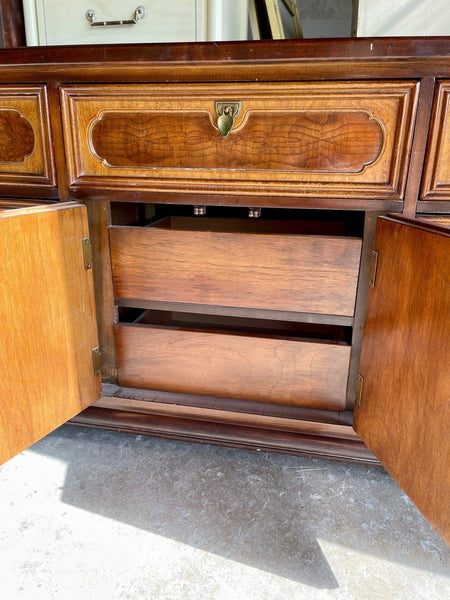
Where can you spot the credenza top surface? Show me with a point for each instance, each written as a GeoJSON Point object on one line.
{"type": "Point", "coordinates": [362, 58]}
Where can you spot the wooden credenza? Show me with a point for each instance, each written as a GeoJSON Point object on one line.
{"type": "Point", "coordinates": [232, 193]}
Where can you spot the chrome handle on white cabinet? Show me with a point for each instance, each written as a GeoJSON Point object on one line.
{"type": "Point", "coordinates": [139, 14]}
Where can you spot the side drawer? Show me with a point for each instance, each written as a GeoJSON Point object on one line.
{"type": "Point", "coordinates": [309, 140]}
{"type": "Point", "coordinates": [236, 263]}
{"type": "Point", "coordinates": [276, 369]}
{"type": "Point", "coordinates": [26, 157]}
{"type": "Point", "coordinates": [436, 177]}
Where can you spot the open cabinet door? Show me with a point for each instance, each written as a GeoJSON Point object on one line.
{"type": "Point", "coordinates": [402, 413]}
{"type": "Point", "coordinates": [47, 323]}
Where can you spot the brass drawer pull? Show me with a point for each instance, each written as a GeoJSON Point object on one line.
{"type": "Point", "coordinates": [226, 112]}
{"type": "Point", "coordinates": [139, 14]}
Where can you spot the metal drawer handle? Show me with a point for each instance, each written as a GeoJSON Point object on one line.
{"type": "Point", "coordinates": [226, 112]}
{"type": "Point", "coordinates": [139, 14]}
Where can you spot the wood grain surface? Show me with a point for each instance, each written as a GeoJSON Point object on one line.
{"type": "Point", "coordinates": [312, 274]}
{"type": "Point", "coordinates": [405, 362]}
{"type": "Point", "coordinates": [281, 371]}
{"type": "Point", "coordinates": [324, 139]}
{"type": "Point", "coordinates": [436, 177]}
{"type": "Point", "coordinates": [47, 320]}
{"type": "Point", "coordinates": [16, 137]}
{"type": "Point", "coordinates": [26, 156]}
{"type": "Point", "coordinates": [334, 141]}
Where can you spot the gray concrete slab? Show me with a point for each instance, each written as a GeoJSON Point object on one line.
{"type": "Point", "coordinates": [95, 514]}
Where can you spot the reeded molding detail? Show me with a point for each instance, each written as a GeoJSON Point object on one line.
{"type": "Point", "coordinates": [328, 141]}
{"type": "Point", "coordinates": [17, 139]}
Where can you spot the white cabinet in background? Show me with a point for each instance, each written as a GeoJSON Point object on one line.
{"type": "Point", "coordinates": [61, 22]}
{"type": "Point", "coordinates": [403, 17]}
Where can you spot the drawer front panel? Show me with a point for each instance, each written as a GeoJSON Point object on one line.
{"type": "Point", "coordinates": [233, 366]}
{"type": "Point", "coordinates": [25, 139]}
{"type": "Point", "coordinates": [330, 140]}
{"type": "Point", "coordinates": [436, 179]}
{"type": "Point", "coordinates": [300, 273]}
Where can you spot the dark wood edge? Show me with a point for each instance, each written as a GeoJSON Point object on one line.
{"type": "Point", "coordinates": [10, 203]}
{"type": "Point", "coordinates": [23, 190]}
{"type": "Point", "coordinates": [419, 144]}
{"type": "Point", "coordinates": [150, 398]}
{"type": "Point", "coordinates": [57, 140]}
{"type": "Point", "coordinates": [236, 200]}
{"type": "Point", "coordinates": [12, 23]}
{"type": "Point", "coordinates": [99, 217]}
{"type": "Point", "coordinates": [251, 313]}
{"type": "Point", "coordinates": [343, 58]}
{"type": "Point", "coordinates": [435, 202]}
{"type": "Point", "coordinates": [417, 223]}
{"type": "Point", "coordinates": [274, 51]}
{"type": "Point", "coordinates": [432, 188]}
{"type": "Point", "coordinates": [229, 417]}
{"type": "Point", "coordinates": [237, 436]}
{"type": "Point", "coordinates": [442, 220]}
{"type": "Point", "coordinates": [360, 306]}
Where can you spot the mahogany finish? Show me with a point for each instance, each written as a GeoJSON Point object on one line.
{"type": "Point", "coordinates": [262, 439]}
{"type": "Point", "coordinates": [276, 60]}
{"type": "Point", "coordinates": [404, 415]}
{"type": "Point", "coordinates": [172, 415]}
{"type": "Point", "coordinates": [48, 327]}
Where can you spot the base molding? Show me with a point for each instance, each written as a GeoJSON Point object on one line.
{"type": "Point", "coordinates": [262, 433]}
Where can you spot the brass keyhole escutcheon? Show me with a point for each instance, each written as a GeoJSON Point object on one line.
{"type": "Point", "coordinates": [226, 113]}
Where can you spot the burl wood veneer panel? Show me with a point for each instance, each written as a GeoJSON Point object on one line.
{"type": "Point", "coordinates": [281, 371]}
{"type": "Point", "coordinates": [333, 140]}
{"type": "Point", "coordinates": [48, 325]}
{"type": "Point", "coordinates": [219, 266]}
{"type": "Point", "coordinates": [436, 178]}
{"type": "Point", "coordinates": [404, 412]}
{"type": "Point", "coordinates": [25, 141]}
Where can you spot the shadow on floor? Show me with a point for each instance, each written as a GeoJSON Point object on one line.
{"type": "Point", "coordinates": [266, 511]}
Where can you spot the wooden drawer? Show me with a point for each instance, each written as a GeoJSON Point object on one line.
{"type": "Point", "coordinates": [277, 367]}
{"type": "Point", "coordinates": [25, 148]}
{"type": "Point", "coordinates": [331, 140]}
{"type": "Point", "coordinates": [236, 263]}
{"type": "Point", "coordinates": [436, 178]}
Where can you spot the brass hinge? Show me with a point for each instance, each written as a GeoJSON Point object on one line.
{"type": "Point", "coordinates": [359, 389]}
{"type": "Point", "coordinates": [97, 360]}
{"type": "Point", "coordinates": [87, 253]}
{"type": "Point", "coordinates": [373, 267]}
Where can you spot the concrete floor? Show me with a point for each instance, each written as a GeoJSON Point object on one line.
{"type": "Point", "coordinates": [90, 514]}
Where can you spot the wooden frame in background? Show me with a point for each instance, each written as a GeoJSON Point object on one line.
{"type": "Point", "coordinates": [266, 18]}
